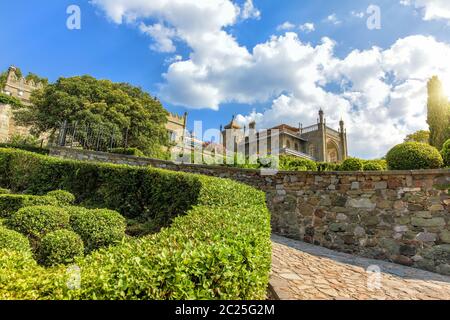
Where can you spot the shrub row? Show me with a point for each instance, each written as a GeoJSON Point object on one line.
{"type": "Point", "coordinates": [146, 193]}
{"type": "Point", "coordinates": [218, 246]}
{"type": "Point", "coordinates": [26, 147]}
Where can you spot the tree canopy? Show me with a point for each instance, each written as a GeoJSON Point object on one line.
{"type": "Point", "coordinates": [84, 99]}
{"type": "Point", "coordinates": [438, 113]}
{"type": "Point", "coordinates": [421, 136]}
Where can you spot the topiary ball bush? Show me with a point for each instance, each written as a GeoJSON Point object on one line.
{"type": "Point", "coordinates": [445, 153]}
{"type": "Point", "coordinates": [13, 240]}
{"type": "Point", "coordinates": [352, 164]}
{"type": "Point", "coordinates": [37, 221]}
{"type": "Point", "coordinates": [414, 156]}
{"type": "Point", "coordinates": [98, 228]}
{"type": "Point", "coordinates": [290, 163]}
{"type": "Point", "coordinates": [64, 198]}
{"type": "Point", "coordinates": [374, 165]}
{"type": "Point", "coordinates": [60, 247]}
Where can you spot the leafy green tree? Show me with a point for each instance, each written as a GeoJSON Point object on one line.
{"type": "Point", "coordinates": [119, 107]}
{"type": "Point", "coordinates": [421, 136]}
{"type": "Point", "coordinates": [438, 113]}
{"type": "Point", "coordinates": [36, 78]}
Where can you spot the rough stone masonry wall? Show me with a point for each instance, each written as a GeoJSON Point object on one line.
{"type": "Point", "coordinates": [401, 216]}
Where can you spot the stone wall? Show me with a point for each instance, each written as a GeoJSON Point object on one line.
{"type": "Point", "coordinates": [400, 216]}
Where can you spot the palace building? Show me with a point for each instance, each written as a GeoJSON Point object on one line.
{"type": "Point", "coordinates": [317, 142]}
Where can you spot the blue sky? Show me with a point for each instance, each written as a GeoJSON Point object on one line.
{"type": "Point", "coordinates": [367, 88]}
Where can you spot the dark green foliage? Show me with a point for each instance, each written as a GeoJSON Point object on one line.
{"type": "Point", "coordinates": [445, 152]}
{"type": "Point", "coordinates": [374, 165]}
{"type": "Point", "coordinates": [63, 197]}
{"type": "Point", "coordinates": [10, 203]}
{"type": "Point", "coordinates": [60, 247]}
{"type": "Point", "coordinates": [290, 163]}
{"type": "Point", "coordinates": [98, 228]}
{"type": "Point", "coordinates": [352, 164]}
{"type": "Point", "coordinates": [13, 240]}
{"type": "Point", "coordinates": [116, 107]}
{"type": "Point", "coordinates": [128, 151]}
{"type": "Point", "coordinates": [26, 147]}
{"type": "Point", "coordinates": [414, 155]}
{"type": "Point", "coordinates": [217, 247]}
{"type": "Point", "coordinates": [421, 136]}
{"type": "Point", "coordinates": [133, 191]}
{"type": "Point", "coordinates": [25, 142]}
{"type": "Point", "coordinates": [37, 221]}
{"type": "Point", "coordinates": [327, 166]}
{"type": "Point", "coordinates": [12, 101]}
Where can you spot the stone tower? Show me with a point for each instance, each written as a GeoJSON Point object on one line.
{"type": "Point", "coordinates": [21, 89]}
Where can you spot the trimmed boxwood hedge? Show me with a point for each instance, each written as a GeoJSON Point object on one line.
{"type": "Point", "coordinates": [60, 247]}
{"type": "Point", "coordinates": [98, 228]}
{"type": "Point", "coordinates": [10, 203]}
{"type": "Point", "coordinates": [63, 197]}
{"type": "Point", "coordinates": [26, 147]}
{"type": "Point", "coordinates": [352, 164]}
{"type": "Point", "coordinates": [37, 221]}
{"type": "Point", "coordinates": [290, 163]}
{"type": "Point", "coordinates": [133, 191]}
{"type": "Point", "coordinates": [445, 153]}
{"type": "Point", "coordinates": [13, 240]}
{"type": "Point", "coordinates": [217, 247]}
{"type": "Point", "coordinates": [413, 156]}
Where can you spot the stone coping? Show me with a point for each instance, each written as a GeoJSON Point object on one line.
{"type": "Point", "coordinates": [257, 171]}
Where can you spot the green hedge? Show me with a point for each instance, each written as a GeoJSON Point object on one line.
{"type": "Point", "coordinates": [13, 240]}
{"type": "Point", "coordinates": [291, 163]}
{"type": "Point", "coordinates": [98, 228]}
{"type": "Point", "coordinates": [352, 164]}
{"type": "Point", "coordinates": [413, 156]}
{"type": "Point", "coordinates": [217, 247]}
{"type": "Point", "coordinates": [63, 197]}
{"type": "Point", "coordinates": [60, 247]}
{"type": "Point", "coordinates": [133, 191]}
{"type": "Point", "coordinates": [445, 153]}
{"type": "Point", "coordinates": [26, 147]}
{"type": "Point", "coordinates": [37, 221]}
{"type": "Point", "coordinates": [10, 203]}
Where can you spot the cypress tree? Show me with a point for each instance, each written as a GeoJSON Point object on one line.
{"type": "Point", "coordinates": [438, 113]}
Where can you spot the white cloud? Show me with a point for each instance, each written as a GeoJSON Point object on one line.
{"type": "Point", "coordinates": [307, 27]}
{"type": "Point", "coordinates": [249, 11]}
{"type": "Point", "coordinates": [286, 26]}
{"type": "Point", "coordinates": [163, 37]}
{"type": "Point", "coordinates": [433, 9]}
{"type": "Point", "coordinates": [381, 93]}
{"type": "Point", "coordinates": [333, 19]}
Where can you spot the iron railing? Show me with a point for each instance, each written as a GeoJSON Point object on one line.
{"type": "Point", "coordinates": [96, 137]}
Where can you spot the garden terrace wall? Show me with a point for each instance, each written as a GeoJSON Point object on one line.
{"type": "Point", "coordinates": [401, 216]}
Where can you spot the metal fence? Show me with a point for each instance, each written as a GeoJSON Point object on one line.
{"type": "Point", "coordinates": [89, 136]}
